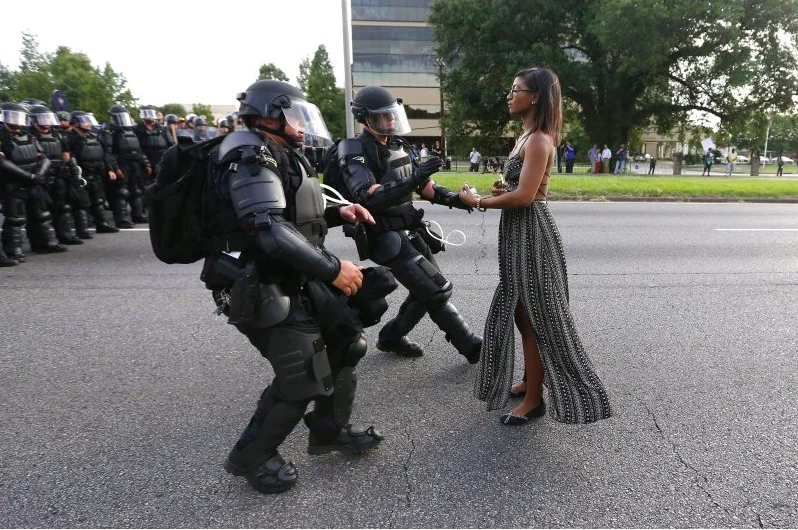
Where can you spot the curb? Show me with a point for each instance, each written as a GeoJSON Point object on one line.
{"type": "Point", "coordinates": [675, 199]}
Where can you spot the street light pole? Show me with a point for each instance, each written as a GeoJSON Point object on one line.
{"type": "Point", "coordinates": [767, 135]}
{"type": "Point", "coordinates": [350, 119]}
{"type": "Point", "coordinates": [440, 91]}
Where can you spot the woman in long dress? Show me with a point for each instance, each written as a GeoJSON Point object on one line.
{"type": "Point", "coordinates": [533, 284]}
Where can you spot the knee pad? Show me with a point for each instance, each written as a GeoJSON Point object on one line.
{"type": "Point", "coordinates": [440, 298]}
{"type": "Point", "coordinates": [42, 215]}
{"type": "Point", "coordinates": [122, 192]}
{"type": "Point", "coordinates": [299, 358]}
{"type": "Point", "coordinates": [356, 351]}
{"type": "Point", "coordinates": [66, 209]}
{"type": "Point", "coordinates": [421, 277]}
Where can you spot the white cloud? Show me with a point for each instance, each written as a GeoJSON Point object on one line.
{"type": "Point", "coordinates": [180, 52]}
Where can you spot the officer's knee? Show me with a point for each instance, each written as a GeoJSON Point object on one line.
{"type": "Point", "coordinates": [441, 297]}
{"type": "Point", "coordinates": [356, 351]}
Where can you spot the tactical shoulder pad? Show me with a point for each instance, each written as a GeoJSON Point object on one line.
{"type": "Point", "coordinates": [351, 147]}
{"type": "Point", "coordinates": [234, 141]}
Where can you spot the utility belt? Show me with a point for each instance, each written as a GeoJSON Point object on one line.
{"type": "Point", "coordinates": [409, 219]}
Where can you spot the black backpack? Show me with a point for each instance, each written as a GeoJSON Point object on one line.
{"type": "Point", "coordinates": [176, 202]}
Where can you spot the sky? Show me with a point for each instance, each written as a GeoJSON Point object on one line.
{"type": "Point", "coordinates": [207, 56]}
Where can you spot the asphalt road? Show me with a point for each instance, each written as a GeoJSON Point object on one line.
{"type": "Point", "coordinates": [121, 394]}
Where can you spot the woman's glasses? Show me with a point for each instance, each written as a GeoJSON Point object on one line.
{"type": "Point", "coordinates": [514, 91]}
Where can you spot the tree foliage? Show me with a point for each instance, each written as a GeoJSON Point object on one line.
{"type": "Point", "coordinates": [88, 88]}
{"type": "Point", "coordinates": [270, 71]}
{"type": "Point", "coordinates": [173, 108]}
{"type": "Point", "coordinates": [201, 109]}
{"type": "Point", "coordinates": [626, 64]}
{"type": "Point", "coordinates": [317, 81]}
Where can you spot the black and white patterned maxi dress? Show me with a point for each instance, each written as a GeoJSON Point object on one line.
{"type": "Point", "coordinates": [533, 272]}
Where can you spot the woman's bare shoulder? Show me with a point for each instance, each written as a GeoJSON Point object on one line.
{"type": "Point", "coordinates": [539, 142]}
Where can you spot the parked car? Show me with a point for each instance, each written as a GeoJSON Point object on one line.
{"type": "Point", "coordinates": [786, 160]}
{"type": "Point", "coordinates": [742, 159]}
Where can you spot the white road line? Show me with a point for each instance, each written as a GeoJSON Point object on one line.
{"type": "Point", "coordinates": [123, 230]}
{"type": "Point", "coordinates": [756, 229]}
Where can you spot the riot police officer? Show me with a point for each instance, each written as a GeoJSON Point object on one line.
{"type": "Point", "coordinates": [151, 135]}
{"type": "Point", "coordinates": [64, 118]}
{"type": "Point", "coordinates": [23, 163]}
{"type": "Point", "coordinates": [131, 167]}
{"type": "Point", "coordinates": [62, 176]}
{"type": "Point", "coordinates": [267, 203]}
{"type": "Point", "coordinates": [95, 161]}
{"type": "Point", "coordinates": [379, 174]}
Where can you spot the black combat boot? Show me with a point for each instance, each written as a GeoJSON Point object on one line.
{"type": "Point", "coordinates": [82, 224]}
{"type": "Point", "coordinates": [392, 337]}
{"type": "Point", "coordinates": [468, 344]}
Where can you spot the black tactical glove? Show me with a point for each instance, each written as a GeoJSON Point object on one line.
{"type": "Point", "coordinates": [448, 198]}
{"type": "Point", "coordinates": [425, 170]}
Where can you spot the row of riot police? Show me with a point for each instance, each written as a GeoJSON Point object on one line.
{"type": "Point", "coordinates": [62, 174]}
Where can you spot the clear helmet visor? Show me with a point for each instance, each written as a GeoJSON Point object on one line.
{"type": "Point", "coordinates": [83, 121]}
{"type": "Point", "coordinates": [306, 117]}
{"type": "Point", "coordinates": [123, 119]}
{"type": "Point", "coordinates": [391, 120]}
{"type": "Point", "coordinates": [46, 119]}
{"type": "Point", "coordinates": [15, 117]}
{"type": "Point", "coordinates": [148, 114]}
{"type": "Point", "coordinates": [92, 120]}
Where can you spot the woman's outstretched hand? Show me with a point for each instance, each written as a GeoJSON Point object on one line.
{"type": "Point", "coordinates": [467, 197]}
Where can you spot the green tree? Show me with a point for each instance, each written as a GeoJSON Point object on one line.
{"type": "Point", "coordinates": [173, 108]}
{"type": "Point", "coordinates": [200, 109]}
{"type": "Point", "coordinates": [625, 64]}
{"type": "Point", "coordinates": [317, 81]}
{"type": "Point", "coordinates": [271, 71]}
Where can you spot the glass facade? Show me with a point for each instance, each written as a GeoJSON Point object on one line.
{"type": "Point", "coordinates": [391, 10]}
{"type": "Point", "coordinates": [393, 56]}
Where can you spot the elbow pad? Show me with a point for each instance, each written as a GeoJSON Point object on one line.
{"type": "Point", "coordinates": [281, 239]}
{"type": "Point", "coordinates": [388, 195]}
{"type": "Point", "coordinates": [44, 167]}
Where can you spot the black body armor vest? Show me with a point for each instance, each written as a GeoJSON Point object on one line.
{"type": "Point", "coordinates": [126, 144]}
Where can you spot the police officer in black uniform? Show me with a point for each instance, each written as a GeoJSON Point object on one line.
{"type": "Point", "coordinates": [152, 135]}
{"type": "Point", "coordinates": [379, 174]}
{"type": "Point", "coordinates": [132, 166]}
{"type": "Point", "coordinates": [267, 203]}
{"type": "Point", "coordinates": [170, 129]}
{"type": "Point", "coordinates": [95, 161]}
{"type": "Point", "coordinates": [62, 176]}
{"type": "Point", "coordinates": [23, 159]}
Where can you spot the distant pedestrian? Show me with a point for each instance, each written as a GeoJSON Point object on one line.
{"type": "Point", "coordinates": [474, 158]}
{"type": "Point", "coordinates": [620, 162]}
{"type": "Point", "coordinates": [606, 154]}
{"type": "Point", "coordinates": [593, 155]}
{"type": "Point", "coordinates": [570, 157]}
{"type": "Point", "coordinates": [709, 158]}
{"type": "Point", "coordinates": [424, 154]}
{"type": "Point", "coordinates": [732, 158]}
{"type": "Point", "coordinates": [780, 165]}
{"type": "Point", "coordinates": [560, 156]}
{"type": "Point", "coordinates": [652, 165]}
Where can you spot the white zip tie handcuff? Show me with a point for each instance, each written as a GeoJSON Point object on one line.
{"type": "Point", "coordinates": [343, 202]}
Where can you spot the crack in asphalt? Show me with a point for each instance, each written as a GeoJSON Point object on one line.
{"type": "Point", "coordinates": [483, 249]}
{"type": "Point", "coordinates": [703, 487]}
{"type": "Point", "coordinates": [406, 468]}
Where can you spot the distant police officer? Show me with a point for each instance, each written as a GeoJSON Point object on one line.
{"type": "Point", "coordinates": [379, 174]}
{"type": "Point", "coordinates": [268, 204]}
{"type": "Point", "coordinates": [95, 161]}
{"type": "Point", "coordinates": [62, 176]}
{"type": "Point", "coordinates": [151, 134]}
{"type": "Point", "coordinates": [23, 166]}
{"type": "Point", "coordinates": [201, 129]}
{"type": "Point", "coordinates": [132, 166]}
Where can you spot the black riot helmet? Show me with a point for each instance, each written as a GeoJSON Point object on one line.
{"type": "Point", "coordinates": [120, 116]}
{"type": "Point", "coordinates": [14, 116]}
{"type": "Point", "coordinates": [270, 98]}
{"type": "Point", "coordinates": [376, 108]}
{"type": "Point", "coordinates": [170, 118]}
{"type": "Point", "coordinates": [43, 118]}
{"type": "Point", "coordinates": [82, 120]}
{"type": "Point", "coordinates": [148, 113]}
{"type": "Point", "coordinates": [32, 102]}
